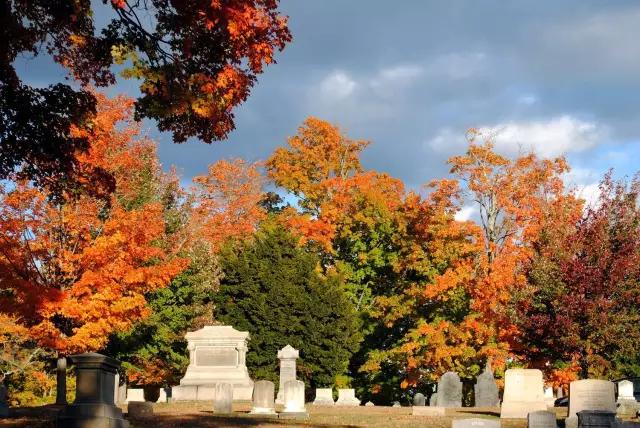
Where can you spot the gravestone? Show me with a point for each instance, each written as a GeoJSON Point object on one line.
{"type": "Point", "coordinates": [542, 419]}
{"type": "Point", "coordinates": [522, 393]}
{"type": "Point", "coordinates": [294, 400]}
{"type": "Point", "coordinates": [627, 404]}
{"type": "Point", "coordinates": [94, 403]}
{"type": "Point", "coordinates": [324, 397]}
{"type": "Point", "coordinates": [162, 398]}
{"type": "Point", "coordinates": [347, 397]}
{"type": "Point", "coordinates": [419, 400]}
{"type": "Point", "coordinates": [625, 391]}
{"type": "Point", "coordinates": [433, 401]}
{"type": "Point", "coordinates": [449, 390]}
{"type": "Point", "coordinates": [475, 423]}
{"type": "Point", "coordinates": [589, 394]}
{"type": "Point", "coordinates": [135, 394]}
{"type": "Point", "coordinates": [216, 355]}
{"type": "Point", "coordinates": [548, 396]}
{"type": "Point", "coordinates": [4, 407]}
{"type": "Point", "coordinates": [139, 409]}
{"type": "Point", "coordinates": [263, 398]}
{"type": "Point", "coordinates": [595, 418]}
{"type": "Point", "coordinates": [396, 404]}
{"type": "Point", "coordinates": [369, 404]}
{"type": "Point", "coordinates": [486, 389]}
{"type": "Point", "coordinates": [224, 398]}
{"type": "Point", "coordinates": [559, 392]}
{"type": "Point", "coordinates": [61, 381]}
{"type": "Point", "coordinates": [287, 356]}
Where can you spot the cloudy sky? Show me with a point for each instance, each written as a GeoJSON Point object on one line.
{"type": "Point", "coordinates": [413, 75]}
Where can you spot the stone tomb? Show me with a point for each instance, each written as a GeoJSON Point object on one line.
{"type": "Point", "coordinates": [287, 356]}
{"type": "Point", "coordinates": [449, 391]}
{"type": "Point", "coordinates": [589, 394]}
{"type": "Point", "coordinates": [523, 393]}
{"type": "Point", "coordinates": [347, 397]}
{"type": "Point", "coordinates": [216, 355]}
{"type": "Point", "coordinates": [475, 423]}
{"type": "Point", "coordinates": [263, 398]}
{"type": "Point", "coordinates": [542, 419]}
{"type": "Point", "coordinates": [486, 389]}
{"type": "Point", "coordinates": [324, 397]}
{"type": "Point", "coordinates": [294, 400]}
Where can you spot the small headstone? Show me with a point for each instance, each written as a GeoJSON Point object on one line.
{"type": "Point", "coordinates": [625, 390]}
{"type": "Point", "coordinates": [263, 398]}
{"type": "Point", "coordinates": [162, 398]}
{"type": "Point", "coordinates": [523, 393]}
{"type": "Point", "coordinates": [548, 396]}
{"type": "Point", "coordinates": [433, 401]}
{"type": "Point", "coordinates": [347, 397]}
{"type": "Point", "coordinates": [450, 390]}
{"type": "Point", "coordinates": [559, 392]}
{"type": "Point", "coordinates": [589, 394]}
{"type": "Point", "coordinates": [396, 404]}
{"type": "Point", "coordinates": [369, 404]}
{"type": "Point", "coordinates": [139, 409]}
{"type": "Point", "coordinates": [324, 397]}
{"type": "Point", "coordinates": [419, 400]}
{"type": "Point", "coordinates": [135, 394]}
{"type": "Point", "coordinates": [287, 356]}
{"type": "Point", "coordinates": [224, 398]}
{"type": "Point", "coordinates": [486, 389]}
{"type": "Point", "coordinates": [122, 394]}
{"type": "Point", "coordinates": [627, 404]}
{"type": "Point", "coordinates": [4, 407]}
{"type": "Point", "coordinates": [542, 419]}
{"type": "Point", "coordinates": [294, 400]}
{"type": "Point", "coordinates": [596, 418]}
{"type": "Point", "coordinates": [475, 423]}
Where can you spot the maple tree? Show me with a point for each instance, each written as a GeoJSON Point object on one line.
{"type": "Point", "coordinates": [73, 270]}
{"type": "Point", "coordinates": [196, 60]}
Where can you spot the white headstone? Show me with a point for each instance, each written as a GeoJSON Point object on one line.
{"type": "Point", "coordinates": [216, 355]}
{"type": "Point", "coordinates": [294, 397]}
{"type": "Point", "coordinates": [589, 394]}
{"type": "Point", "coordinates": [263, 398]}
{"type": "Point", "coordinates": [224, 398]}
{"type": "Point", "coordinates": [324, 397]}
{"type": "Point", "coordinates": [347, 397]}
{"type": "Point", "coordinates": [523, 393]}
{"type": "Point", "coordinates": [542, 419]}
{"type": "Point", "coordinates": [162, 398]}
{"type": "Point", "coordinates": [135, 394]}
{"type": "Point", "coordinates": [396, 404]}
{"type": "Point", "coordinates": [548, 396]}
{"type": "Point", "coordinates": [287, 356]}
{"type": "Point", "coordinates": [475, 423]}
{"type": "Point", "coordinates": [625, 390]}
{"type": "Point", "coordinates": [369, 404]}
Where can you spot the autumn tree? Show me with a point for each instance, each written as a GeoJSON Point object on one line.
{"type": "Point", "coordinates": [195, 60]}
{"type": "Point", "coordinates": [75, 269]}
{"type": "Point", "coordinates": [582, 316]}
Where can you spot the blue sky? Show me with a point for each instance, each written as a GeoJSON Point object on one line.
{"type": "Point", "coordinates": [560, 78]}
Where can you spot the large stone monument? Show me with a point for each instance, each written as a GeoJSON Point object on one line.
{"type": "Point", "coordinates": [475, 423]}
{"type": "Point", "coordinates": [523, 393]}
{"type": "Point", "coordinates": [589, 394]}
{"type": "Point", "coordinates": [216, 355]}
{"type": "Point", "coordinates": [287, 356]}
{"type": "Point", "coordinates": [324, 397]}
{"type": "Point", "coordinates": [294, 400]}
{"type": "Point", "coordinates": [94, 406]}
{"type": "Point", "coordinates": [263, 398]}
{"type": "Point", "coordinates": [486, 389]}
{"type": "Point", "coordinates": [347, 397]}
{"type": "Point", "coordinates": [449, 390]}
{"type": "Point", "coordinates": [542, 419]}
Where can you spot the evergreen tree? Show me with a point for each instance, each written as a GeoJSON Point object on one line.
{"type": "Point", "coordinates": [272, 288]}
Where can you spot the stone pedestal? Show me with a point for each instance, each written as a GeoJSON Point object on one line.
{"type": "Point", "coordinates": [61, 381]}
{"type": "Point", "coordinates": [263, 398]}
{"type": "Point", "coordinates": [347, 397]}
{"type": "Point", "coordinates": [294, 400]}
{"type": "Point", "coordinates": [523, 393]}
{"type": "Point", "coordinates": [94, 405]}
{"type": "Point", "coordinates": [287, 356]}
{"type": "Point", "coordinates": [596, 418]}
{"type": "Point", "coordinates": [216, 355]}
{"type": "Point", "coordinates": [324, 397]}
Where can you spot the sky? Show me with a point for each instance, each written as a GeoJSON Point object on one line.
{"type": "Point", "coordinates": [559, 78]}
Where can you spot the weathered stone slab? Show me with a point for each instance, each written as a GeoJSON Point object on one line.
{"type": "Point", "coordinates": [347, 397]}
{"type": "Point", "coordinates": [450, 390]}
{"type": "Point", "coordinates": [263, 398]}
{"type": "Point", "coordinates": [223, 401]}
{"type": "Point", "coordinates": [475, 423]}
{"type": "Point", "coordinates": [294, 400]}
{"type": "Point", "coordinates": [216, 355]}
{"type": "Point", "coordinates": [542, 419]}
{"type": "Point", "coordinates": [287, 356]}
{"type": "Point", "coordinates": [523, 393]}
{"type": "Point", "coordinates": [428, 411]}
{"type": "Point", "coordinates": [589, 394]}
{"type": "Point", "coordinates": [139, 409]}
{"type": "Point", "coordinates": [135, 394]}
{"type": "Point", "coordinates": [625, 390]}
{"type": "Point", "coordinates": [419, 399]}
{"type": "Point", "coordinates": [433, 401]}
{"type": "Point", "coordinates": [324, 397]}
{"type": "Point", "coordinates": [486, 389]}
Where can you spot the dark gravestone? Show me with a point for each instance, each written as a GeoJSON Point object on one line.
{"type": "Point", "coordinates": [419, 400]}
{"type": "Point", "coordinates": [486, 390]}
{"type": "Point", "coordinates": [449, 390]}
{"type": "Point", "coordinates": [94, 404]}
{"type": "Point", "coordinates": [541, 419]}
{"type": "Point", "coordinates": [61, 381]}
{"type": "Point", "coordinates": [596, 419]}
{"type": "Point", "coordinates": [4, 408]}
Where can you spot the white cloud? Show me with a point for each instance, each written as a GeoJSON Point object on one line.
{"type": "Point", "coordinates": [458, 65]}
{"type": "Point", "coordinates": [527, 99]}
{"type": "Point", "coordinates": [549, 138]}
{"type": "Point", "coordinates": [590, 193]}
{"type": "Point", "coordinates": [337, 85]}
{"type": "Point", "coordinates": [465, 213]}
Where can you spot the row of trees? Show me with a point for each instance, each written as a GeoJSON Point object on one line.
{"type": "Point", "coordinates": [378, 286]}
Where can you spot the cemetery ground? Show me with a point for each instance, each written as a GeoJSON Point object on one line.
{"type": "Point", "coordinates": [200, 414]}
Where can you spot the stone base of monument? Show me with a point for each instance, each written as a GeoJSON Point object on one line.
{"type": "Point", "coordinates": [263, 412]}
{"type": "Point", "coordinates": [627, 408]}
{"type": "Point", "coordinates": [86, 415]}
{"type": "Point", "coordinates": [428, 411]}
{"type": "Point", "coordinates": [241, 392]}
{"type": "Point", "coordinates": [139, 409]}
{"type": "Point", "coordinates": [520, 409]}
